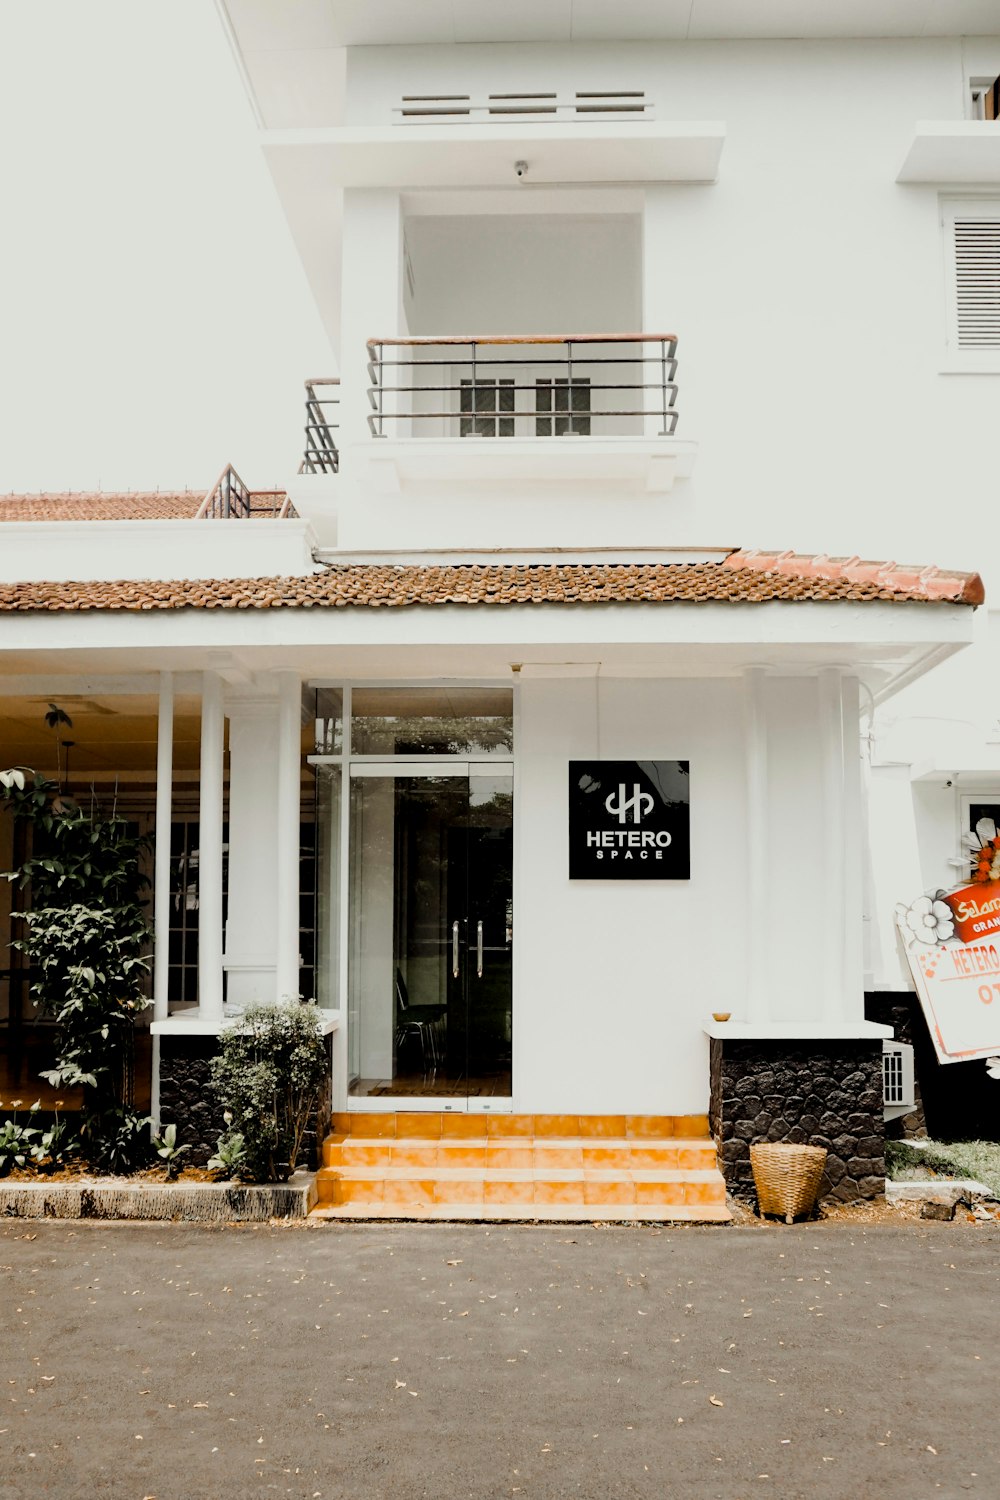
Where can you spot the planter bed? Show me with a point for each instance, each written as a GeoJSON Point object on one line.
{"type": "Point", "coordinates": [141, 1199]}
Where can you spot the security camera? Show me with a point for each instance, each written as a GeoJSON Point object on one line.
{"type": "Point", "coordinates": [520, 170]}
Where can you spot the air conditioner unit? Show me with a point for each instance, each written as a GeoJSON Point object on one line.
{"type": "Point", "coordinates": [898, 1093]}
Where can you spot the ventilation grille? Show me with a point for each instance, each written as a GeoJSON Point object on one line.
{"type": "Point", "coordinates": [536, 105]}
{"type": "Point", "coordinates": [977, 282]}
{"type": "Point", "coordinates": [898, 1093]}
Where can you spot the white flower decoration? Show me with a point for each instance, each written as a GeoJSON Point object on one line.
{"type": "Point", "coordinates": [993, 1067]}
{"type": "Point", "coordinates": [930, 921]}
{"type": "Point", "coordinates": [13, 777]}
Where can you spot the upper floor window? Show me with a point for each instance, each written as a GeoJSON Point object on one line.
{"type": "Point", "coordinates": [972, 261]}
{"type": "Point", "coordinates": [984, 98]}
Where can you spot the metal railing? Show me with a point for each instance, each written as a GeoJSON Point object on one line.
{"type": "Point", "coordinates": [539, 386]}
{"type": "Point", "coordinates": [230, 499]}
{"type": "Point", "coordinates": [320, 455]}
{"type": "Point", "coordinates": [540, 106]}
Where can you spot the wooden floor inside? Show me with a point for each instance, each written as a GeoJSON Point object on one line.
{"type": "Point", "coordinates": [417, 1165]}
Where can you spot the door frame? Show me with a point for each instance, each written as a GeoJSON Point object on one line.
{"type": "Point", "coordinates": [395, 768]}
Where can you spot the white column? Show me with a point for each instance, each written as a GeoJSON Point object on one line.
{"type": "Point", "coordinates": [755, 757]}
{"type": "Point", "coordinates": [161, 866]}
{"type": "Point", "coordinates": [287, 863]}
{"type": "Point", "coordinates": [210, 850]}
{"type": "Point", "coordinates": [834, 815]}
{"type": "Point", "coordinates": [161, 873]}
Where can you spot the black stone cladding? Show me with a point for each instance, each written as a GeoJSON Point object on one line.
{"type": "Point", "coordinates": [186, 1099]}
{"type": "Point", "coordinates": [816, 1093]}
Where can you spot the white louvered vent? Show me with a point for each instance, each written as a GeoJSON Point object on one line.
{"type": "Point", "coordinates": [898, 1092]}
{"type": "Point", "coordinates": [977, 281]}
{"type": "Point", "coordinates": [532, 107]}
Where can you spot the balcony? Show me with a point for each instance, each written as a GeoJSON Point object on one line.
{"type": "Point", "coordinates": [953, 153]}
{"type": "Point", "coordinates": [580, 408]}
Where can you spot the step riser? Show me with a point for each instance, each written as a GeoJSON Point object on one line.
{"type": "Point", "coordinates": [379, 1191]}
{"type": "Point", "coordinates": [412, 1125]}
{"type": "Point", "coordinates": [626, 1157]}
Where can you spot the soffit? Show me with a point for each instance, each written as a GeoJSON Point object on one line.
{"type": "Point", "coordinates": [260, 25]}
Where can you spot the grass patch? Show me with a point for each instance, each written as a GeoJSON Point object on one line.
{"type": "Point", "coordinates": [979, 1159]}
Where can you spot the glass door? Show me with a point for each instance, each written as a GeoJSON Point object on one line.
{"type": "Point", "coordinates": [431, 934]}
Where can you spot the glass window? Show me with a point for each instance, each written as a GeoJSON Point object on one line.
{"type": "Point", "coordinates": [328, 711]}
{"type": "Point", "coordinates": [432, 721]}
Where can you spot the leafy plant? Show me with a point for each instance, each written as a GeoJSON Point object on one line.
{"type": "Point", "coordinates": [84, 937]}
{"type": "Point", "coordinates": [118, 1140]}
{"type": "Point", "coordinates": [168, 1151]}
{"type": "Point", "coordinates": [16, 1140]}
{"type": "Point", "coordinates": [271, 1077]}
{"type": "Point", "coordinates": [54, 1144]}
{"type": "Point", "coordinates": [230, 1159]}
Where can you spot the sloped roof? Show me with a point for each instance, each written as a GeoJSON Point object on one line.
{"type": "Point", "coordinates": [742, 578]}
{"type": "Point", "coordinates": [141, 505]}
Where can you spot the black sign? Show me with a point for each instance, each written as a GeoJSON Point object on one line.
{"type": "Point", "coordinates": [629, 820]}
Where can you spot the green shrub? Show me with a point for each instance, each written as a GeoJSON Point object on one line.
{"type": "Point", "coordinates": [84, 936]}
{"type": "Point", "coordinates": [272, 1077]}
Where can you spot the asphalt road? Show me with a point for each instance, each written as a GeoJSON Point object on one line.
{"type": "Point", "coordinates": [369, 1362]}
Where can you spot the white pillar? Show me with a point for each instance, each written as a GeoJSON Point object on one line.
{"type": "Point", "coordinates": [287, 864]}
{"type": "Point", "coordinates": [834, 816]}
{"type": "Point", "coordinates": [161, 873]}
{"type": "Point", "coordinates": [755, 757]}
{"type": "Point", "coordinates": [210, 849]}
{"type": "Point", "coordinates": [161, 867]}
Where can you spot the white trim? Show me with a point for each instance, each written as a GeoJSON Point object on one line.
{"type": "Point", "coordinates": [806, 1031]}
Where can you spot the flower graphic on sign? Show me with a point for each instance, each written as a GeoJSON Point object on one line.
{"type": "Point", "coordinates": [984, 851]}
{"type": "Point", "coordinates": [930, 920]}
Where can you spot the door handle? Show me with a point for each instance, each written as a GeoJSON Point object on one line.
{"type": "Point", "coordinates": [454, 950]}
{"type": "Point", "coordinates": [479, 950]}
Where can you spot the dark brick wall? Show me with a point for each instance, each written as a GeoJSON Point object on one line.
{"type": "Point", "coordinates": [816, 1093]}
{"type": "Point", "coordinates": [186, 1100]}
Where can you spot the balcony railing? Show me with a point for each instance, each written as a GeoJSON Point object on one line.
{"type": "Point", "coordinates": [537, 386]}
{"type": "Point", "coordinates": [229, 499]}
{"type": "Point", "coordinates": [320, 455]}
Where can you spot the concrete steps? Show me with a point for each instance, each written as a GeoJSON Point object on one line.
{"type": "Point", "coordinates": [559, 1167]}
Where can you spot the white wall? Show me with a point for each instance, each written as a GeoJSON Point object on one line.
{"type": "Point", "coordinates": [525, 273]}
{"type": "Point", "coordinates": [615, 980]}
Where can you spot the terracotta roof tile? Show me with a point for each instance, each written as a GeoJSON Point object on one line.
{"type": "Point", "coordinates": [144, 505]}
{"type": "Point", "coordinates": [742, 578]}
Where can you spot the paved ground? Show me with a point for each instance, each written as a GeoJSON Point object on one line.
{"type": "Point", "coordinates": [376, 1361]}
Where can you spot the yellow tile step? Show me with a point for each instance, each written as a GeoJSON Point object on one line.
{"type": "Point", "coordinates": [561, 1213]}
{"type": "Point", "coordinates": [520, 1151]}
{"type": "Point", "coordinates": [435, 1125]}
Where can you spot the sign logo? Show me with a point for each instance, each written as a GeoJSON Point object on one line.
{"type": "Point", "coordinates": [629, 820]}
{"type": "Point", "coordinates": [621, 808]}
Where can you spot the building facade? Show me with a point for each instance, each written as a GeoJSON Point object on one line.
{"type": "Point", "coordinates": [497, 732]}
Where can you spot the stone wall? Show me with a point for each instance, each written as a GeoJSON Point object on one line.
{"type": "Point", "coordinates": [817, 1093]}
{"type": "Point", "coordinates": [186, 1100]}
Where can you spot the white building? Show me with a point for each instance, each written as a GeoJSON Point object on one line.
{"type": "Point", "coordinates": [616, 295]}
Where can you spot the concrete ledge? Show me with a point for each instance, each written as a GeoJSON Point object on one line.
{"type": "Point", "coordinates": [935, 1189]}
{"type": "Point", "coordinates": [187, 1202]}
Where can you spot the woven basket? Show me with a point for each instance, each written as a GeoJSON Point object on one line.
{"type": "Point", "coordinates": [787, 1177]}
